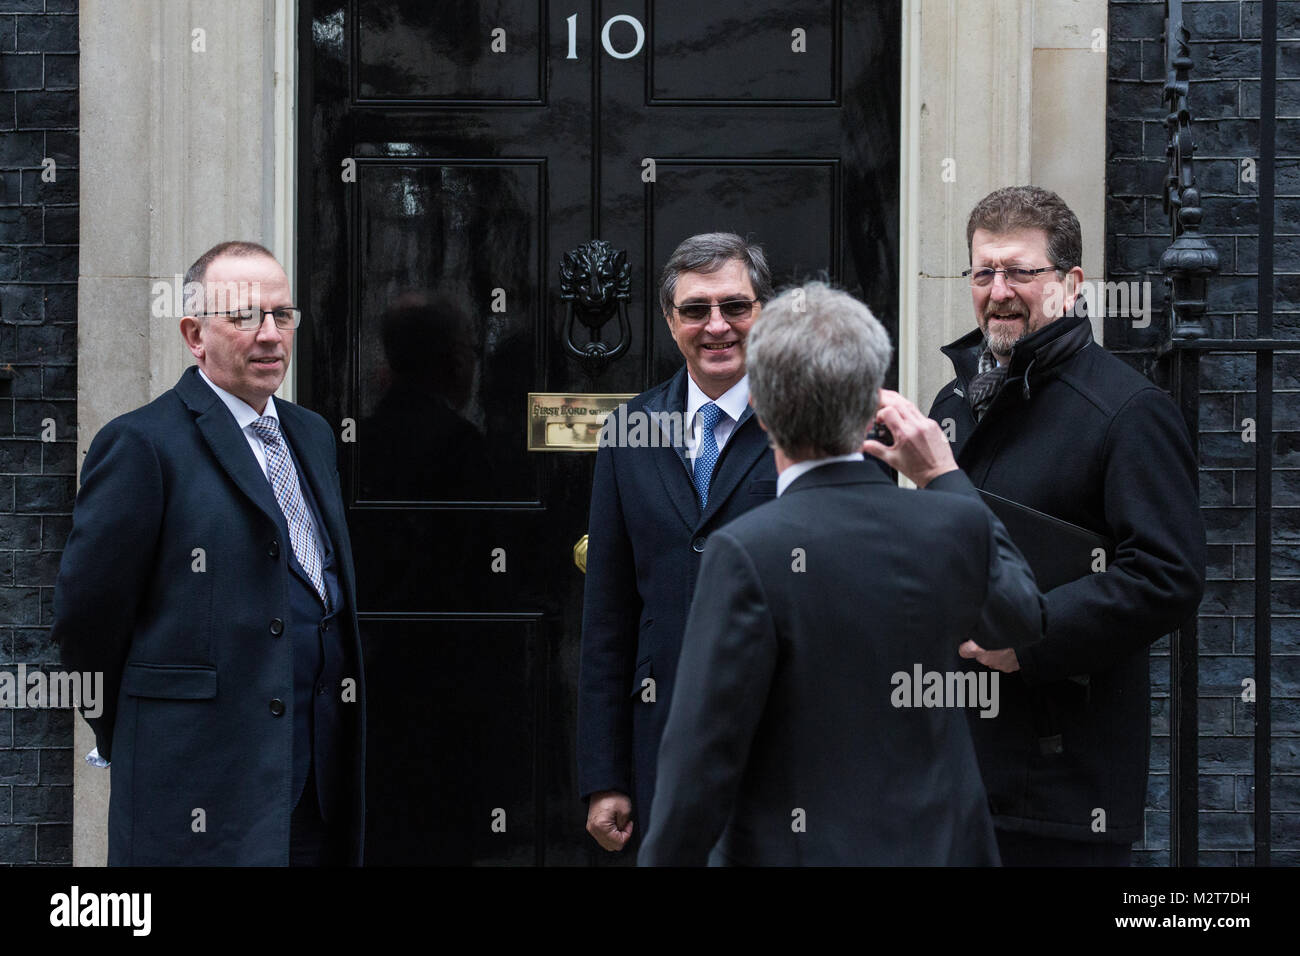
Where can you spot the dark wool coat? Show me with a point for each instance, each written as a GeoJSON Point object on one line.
{"type": "Point", "coordinates": [1078, 434]}
{"type": "Point", "coordinates": [195, 663]}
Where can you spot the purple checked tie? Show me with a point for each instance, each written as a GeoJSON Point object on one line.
{"type": "Point", "coordinates": [284, 481]}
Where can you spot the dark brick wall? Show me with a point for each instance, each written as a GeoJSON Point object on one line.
{"type": "Point", "coordinates": [1224, 103]}
{"type": "Point", "coordinates": [38, 340]}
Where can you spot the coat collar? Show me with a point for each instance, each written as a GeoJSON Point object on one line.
{"type": "Point", "coordinates": [839, 473]}
{"type": "Point", "coordinates": [1036, 354]}
{"type": "Point", "coordinates": [746, 444]}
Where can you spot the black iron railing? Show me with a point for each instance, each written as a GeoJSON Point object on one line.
{"type": "Point", "coordinates": [1188, 264]}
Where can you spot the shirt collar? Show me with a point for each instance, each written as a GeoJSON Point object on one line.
{"type": "Point", "coordinates": [244, 413]}
{"type": "Point", "coordinates": [733, 401]}
{"type": "Point", "coordinates": [800, 468]}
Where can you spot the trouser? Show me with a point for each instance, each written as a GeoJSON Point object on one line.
{"type": "Point", "coordinates": [313, 842]}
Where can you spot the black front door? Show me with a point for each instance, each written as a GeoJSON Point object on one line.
{"type": "Point", "coordinates": [451, 153]}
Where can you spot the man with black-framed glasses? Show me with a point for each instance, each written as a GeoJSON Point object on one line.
{"type": "Point", "coordinates": [208, 576]}
{"type": "Point", "coordinates": [1042, 415]}
{"type": "Point", "coordinates": [674, 464]}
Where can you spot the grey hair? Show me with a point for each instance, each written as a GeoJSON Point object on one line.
{"type": "Point", "coordinates": [816, 358]}
{"type": "Point", "coordinates": [709, 252]}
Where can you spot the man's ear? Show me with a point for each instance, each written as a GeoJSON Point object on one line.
{"type": "Point", "coordinates": [1073, 284]}
{"type": "Point", "coordinates": [191, 332]}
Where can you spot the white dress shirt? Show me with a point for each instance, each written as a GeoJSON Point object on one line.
{"type": "Point", "coordinates": [784, 480]}
{"type": "Point", "coordinates": [732, 402]}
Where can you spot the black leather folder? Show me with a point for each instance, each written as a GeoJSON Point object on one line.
{"type": "Point", "coordinates": [1058, 552]}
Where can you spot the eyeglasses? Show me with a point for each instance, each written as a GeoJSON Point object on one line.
{"type": "Point", "coordinates": [693, 312]}
{"type": "Point", "coordinates": [250, 320]}
{"type": "Point", "coordinates": [1014, 274]}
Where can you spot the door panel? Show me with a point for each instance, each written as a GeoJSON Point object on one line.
{"type": "Point", "coordinates": [747, 197]}
{"type": "Point", "coordinates": [471, 810]}
{"type": "Point", "coordinates": [711, 52]}
{"type": "Point", "coordinates": [414, 50]}
{"type": "Point", "coordinates": [438, 367]}
{"type": "Point", "coordinates": [440, 184]}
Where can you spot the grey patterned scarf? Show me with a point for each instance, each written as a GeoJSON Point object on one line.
{"type": "Point", "coordinates": [984, 387]}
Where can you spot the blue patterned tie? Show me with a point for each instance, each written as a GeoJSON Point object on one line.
{"type": "Point", "coordinates": [288, 494]}
{"type": "Point", "coordinates": [706, 455]}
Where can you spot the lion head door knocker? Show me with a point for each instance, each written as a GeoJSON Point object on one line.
{"type": "Point", "coordinates": [596, 281]}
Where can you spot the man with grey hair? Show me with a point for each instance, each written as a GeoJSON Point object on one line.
{"type": "Point", "coordinates": [800, 732]}
{"type": "Point", "coordinates": [693, 459]}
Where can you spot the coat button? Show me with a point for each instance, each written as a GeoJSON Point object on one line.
{"type": "Point", "coordinates": [277, 707]}
{"type": "Point", "coordinates": [321, 689]}
{"type": "Point", "coordinates": [274, 549]}
{"type": "Point", "coordinates": [277, 627]}
{"type": "Point", "coordinates": [698, 544]}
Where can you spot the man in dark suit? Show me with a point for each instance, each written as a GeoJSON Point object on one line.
{"type": "Point", "coordinates": [674, 464]}
{"type": "Point", "coordinates": [814, 719]}
{"type": "Point", "coordinates": [209, 576]}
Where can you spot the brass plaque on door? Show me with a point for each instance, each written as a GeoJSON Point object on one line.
{"type": "Point", "coordinates": [565, 422]}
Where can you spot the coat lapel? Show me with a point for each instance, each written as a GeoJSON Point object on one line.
{"type": "Point", "coordinates": [305, 453]}
{"type": "Point", "coordinates": [670, 458]}
{"type": "Point", "coordinates": [748, 442]}
{"type": "Point", "coordinates": [315, 469]}
{"type": "Point", "coordinates": [318, 468]}
{"type": "Point", "coordinates": [228, 443]}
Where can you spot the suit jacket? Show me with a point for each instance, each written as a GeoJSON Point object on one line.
{"type": "Point", "coordinates": [646, 536]}
{"type": "Point", "coordinates": [797, 734]}
{"type": "Point", "coordinates": [175, 584]}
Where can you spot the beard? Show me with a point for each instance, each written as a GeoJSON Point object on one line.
{"type": "Point", "coordinates": [1003, 336]}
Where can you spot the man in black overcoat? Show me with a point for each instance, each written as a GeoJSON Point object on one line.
{"type": "Point", "coordinates": [208, 576]}
{"type": "Point", "coordinates": [1041, 414]}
